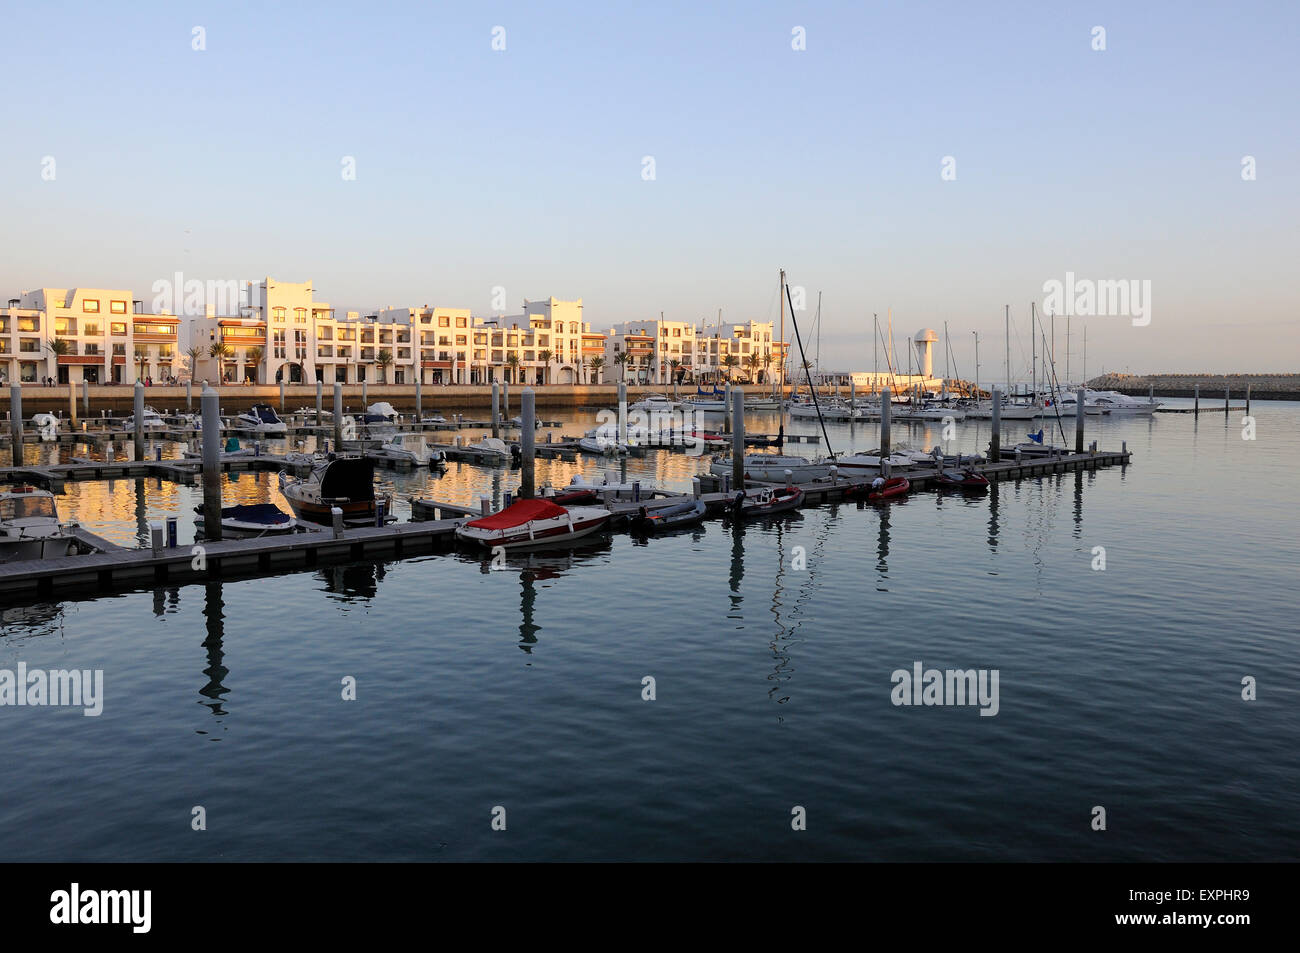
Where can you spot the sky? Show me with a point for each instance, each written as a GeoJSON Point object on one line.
{"type": "Point", "coordinates": [524, 168]}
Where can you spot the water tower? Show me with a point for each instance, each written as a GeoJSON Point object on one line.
{"type": "Point", "coordinates": [923, 340]}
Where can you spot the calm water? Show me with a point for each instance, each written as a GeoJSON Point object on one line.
{"type": "Point", "coordinates": [522, 687]}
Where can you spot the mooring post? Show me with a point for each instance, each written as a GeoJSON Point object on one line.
{"type": "Point", "coordinates": [885, 410]}
{"type": "Point", "coordinates": [85, 398]}
{"type": "Point", "coordinates": [338, 415]}
{"type": "Point", "coordinates": [365, 396]}
{"type": "Point", "coordinates": [853, 396]}
{"type": "Point", "coordinates": [1196, 400]}
{"type": "Point", "coordinates": [484, 505]}
{"type": "Point", "coordinates": [419, 399]}
{"type": "Point", "coordinates": [1227, 394]}
{"type": "Point", "coordinates": [16, 421]}
{"type": "Point", "coordinates": [1151, 393]}
{"type": "Point", "coordinates": [527, 417]}
{"type": "Point", "coordinates": [738, 438]}
{"type": "Point", "coordinates": [210, 406]}
{"type": "Point", "coordinates": [695, 487]}
{"type": "Point", "coordinates": [995, 444]}
{"type": "Point", "coordinates": [1078, 421]}
{"type": "Point", "coordinates": [139, 420]}
{"type": "Point", "coordinates": [319, 402]}
{"type": "Point", "coordinates": [505, 401]}
{"type": "Point", "coordinates": [496, 409]}
{"type": "Point", "coordinates": [72, 403]}
{"type": "Point", "coordinates": [281, 394]}
{"type": "Point", "coordinates": [622, 413]}
{"type": "Point", "coordinates": [1247, 400]}
{"type": "Point", "coordinates": [336, 519]}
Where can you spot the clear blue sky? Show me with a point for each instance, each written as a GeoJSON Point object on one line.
{"type": "Point", "coordinates": [522, 168]}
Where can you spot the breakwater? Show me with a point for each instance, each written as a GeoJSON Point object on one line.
{"type": "Point", "coordinates": [1262, 386]}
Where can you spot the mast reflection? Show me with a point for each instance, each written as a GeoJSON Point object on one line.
{"type": "Point", "coordinates": [216, 671]}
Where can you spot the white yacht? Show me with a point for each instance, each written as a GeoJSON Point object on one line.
{"type": "Point", "coordinates": [152, 421]}
{"type": "Point", "coordinates": [415, 448]}
{"type": "Point", "coordinates": [261, 419]}
{"type": "Point", "coordinates": [30, 528]}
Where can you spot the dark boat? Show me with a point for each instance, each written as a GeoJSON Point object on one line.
{"type": "Point", "coordinates": [893, 487]}
{"type": "Point", "coordinates": [345, 482]}
{"type": "Point", "coordinates": [669, 517]}
{"type": "Point", "coordinates": [967, 480]}
{"type": "Point", "coordinates": [250, 519]}
{"type": "Point", "coordinates": [575, 498]}
{"type": "Point", "coordinates": [767, 502]}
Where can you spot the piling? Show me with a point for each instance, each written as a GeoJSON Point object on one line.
{"type": "Point", "coordinates": [886, 407]}
{"type": "Point", "coordinates": [338, 415]}
{"type": "Point", "coordinates": [1227, 392]}
{"type": "Point", "coordinates": [281, 395]}
{"type": "Point", "coordinates": [72, 403]}
{"type": "Point", "coordinates": [318, 402]}
{"type": "Point", "coordinates": [496, 409]}
{"type": "Point", "coordinates": [336, 519]}
{"type": "Point", "coordinates": [419, 399]}
{"type": "Point", "coordinates": [365, 397]}
{"type": "Point", "coordinates": [995, 444]}
{"type": "Point", "coordinates": [1196, 401]}
{"type": "Point", "coordinates": [527, 415]}
{"type": "Point", "coordinates": [853, 394]}
{"type": "Point", "coordinates": [139, 420]}
{"type": "Point", "coordinates": [209, 402]}
{"type": "Point", "coordinates": [1247, 400]}
{"type": "Point", "coordinates": [738, 438]}
{"type": "Point", "coordinates": [726, 410]}
{"type": "Point", "coordinates": [505, 400]}
{"type": "Point", "coordinates": [622, 413]}
{"type": "Point", "coordinates": [85, 398]}
{"type": "Point", "coordinates": [1151, 394]}
{"type": "Point", "coordinates": [1078, 421]}
{"type": "Point", "coordinates": [189, 396]}
{"type": "Point", "coordinates": [16, 421]}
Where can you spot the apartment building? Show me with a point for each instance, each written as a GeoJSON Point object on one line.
{"type": "Point", "coordinates": [99, 335]}
{"type": "Point", "coordinates": [652, 351]}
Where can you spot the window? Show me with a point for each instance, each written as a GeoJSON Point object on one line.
{"type": "Point", "coordinates": [445, 322]}
{"type": "Point", "coordinates": [117, 307]}
{"type": "Point", "coordinates": [299, 315]}
{"type": "Point", "coordinates": [118, 327]}
{"type": "Point", "coordinates": [91, 329]}
{"type": "Point", "coordinates": [90, 306]}
{"type": "Point", "coordinates": [460, 322]}
{"type": "Point", "coordinates": [27, 373]}
{"type": "Point", "coordinates": [278, 313]}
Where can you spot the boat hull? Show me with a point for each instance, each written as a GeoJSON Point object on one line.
{"type": "Point", "coordinates": [541, 533]}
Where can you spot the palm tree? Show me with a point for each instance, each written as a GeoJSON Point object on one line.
{"type": "Point", "coordinates": [753, 361]}
{"type": "Point", "coordinates": [545, 355]}
{"type": "Point", "coordinates": [222, 353]}
{"type": "Point", "coordinates": [385, 360]}
{"type": "Point", "coordinates": [729, 362]}
{"type": "Point", "coordinates": [676, 366]}
{"type": "Point", "coordinates": [621, 360]}
{"type": "Point", "coordinates": [141, 358]}
{"type": "Point", "coordinates": [194, 352]}
{"type": "Point", "coordinates": [596, 364]}
{"type": "Point", "coordinates": [767, 362]}
{"type": "Point", "coordinates": [253, 355]}
{"type": "Point", "coordinates": [512, 362]}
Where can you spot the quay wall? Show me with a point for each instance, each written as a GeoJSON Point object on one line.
{"type": "Point", "coordinates": [1262, 386]}
{"type": "Point", "coordinates": [118, 400]}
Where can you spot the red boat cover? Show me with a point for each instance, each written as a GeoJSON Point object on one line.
{"type": "Point", "coordinates": [517, 514]}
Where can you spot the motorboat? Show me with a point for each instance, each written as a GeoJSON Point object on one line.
{"type": "Point", "coordinates": [250, 520]}
{"type": "Point", "coordinates": [967, 480]}
{"type": "Point", "coordinates": [603, 441]}
{"type": "Point", "coordinates": [1120, 404]}
{"type": "Point", "coordinates": [1068, 406]}
{"type": "Point", "coordinates": [871, 460]}
{"type": "Point", "coordinates": [47, 425]}
{"type": "Point", "coordinates": [665, 518]}
{"type": "Point", "coordinates": [152, 420]}
{"type": "Point", "coordinates": [496, 450]}
{"type": "Point", "coordinates": [766, 502]}
{"type": "Point", "coordinates": [30, 527]}
{"type": "Point", "coordinates": [519, 422]}
{"type": "Point", "coordinates": [653, 402]}
{"type": "Point", "coordinates": [261, 419]}
{"type": "Point", "coordinates": [379, 418]}
{"type": "Point", "coordinates": [414, 448]}
{"type": "Point", "coordinates": [535, 522]}
{"type": "Point", "coordinates": [887, 490]}
{"type": "Point", "coordinates": [763, 403]}
{"type": "Point", "coordinates": [632, 490]}
{"type": "Point", "coordinates": [772, 467]}
{"type": "Point", "coordinates": [346, 482]}
{"type": "Point", "coordinates": [435, 419]}
{"type": "Point", "coordinates": [573, 496]}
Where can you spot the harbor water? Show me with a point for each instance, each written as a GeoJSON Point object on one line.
{"type": "Point", "coordinates": [520, 691]}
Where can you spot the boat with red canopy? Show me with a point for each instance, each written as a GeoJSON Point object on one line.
{"type": "Point", "coordinates": [534, 523]}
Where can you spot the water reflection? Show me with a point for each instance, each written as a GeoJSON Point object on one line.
{"type": "Point", "coordinates": [357, 581]}
{"type": "Point", "coordinates": [215, 690]}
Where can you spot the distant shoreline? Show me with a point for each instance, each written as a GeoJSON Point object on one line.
{"type": "Point", "coordinates": [1212, 386]}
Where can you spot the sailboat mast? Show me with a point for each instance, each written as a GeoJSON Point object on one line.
{"type": "Point", "coordinates": [947, 353]}
{"type": "Point", "coordinates": [875, 351]}
{"type": "Point", "coordinates": [1067, 349]}
{"type": "Point", "coordinates": [780, 293]}
{"type": "Point", "coordinates": [1033, 344]}
{"type": "Point", "coordinates": [977, 364]}
{"type": "Point", "coordinates": [1008, 349]}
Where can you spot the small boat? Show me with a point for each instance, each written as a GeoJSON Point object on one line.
{"type": "Point", "coordinates": [859, 463]}
{"type": "Point", "coordinates": [888, 490]}
{"type": "Point", "coordinates": [435, 419]}
{"type": "Point", "coordinates": [967, 480]}
{"type": "Point", "coordinates": [706, 437]}
{"type": "Point", "coordinates": [574, 497]}
{"type": "Point", "coordinates": [261, 419]}
{"type": "Point", "coordinates": [519, 422]}
{"type": "Point", "coordinates": [672, 517]}
{"type": "Point", "coordinates": [414, 447]}
{"type": "Point", "coordinates": [152, 420]}
{"type": "Point", "coordinates": [771, 467]}
{"type": "Point", "coordinates": [652, 402]}
{"type": "Point", "coordinates": [766, 502]}
{"type": "Point", "coordinates": [494, 448]}
{"type": "Point", "coordinates": [347, 482]}
{"type": "Point", "coordinates": [30, 527]}
{"type": "Point", "coordinates": [624, 491]}
{"type": "Point", "coordinates": [250, 519]}
{"type": "Point", "coordinates": [603, 441]}
{"type": "Point", "coordinates": [762, 403]}
{"type": "Point", "coordinates": [379, 418]}
{"type": "Point", "coordinates": [536, 522]}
